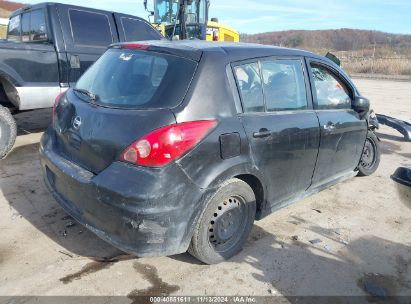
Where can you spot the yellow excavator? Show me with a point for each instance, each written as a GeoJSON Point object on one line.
{"type": "Point", "coordinates": [188, 19]}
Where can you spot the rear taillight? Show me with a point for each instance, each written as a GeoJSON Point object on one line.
{"type": "Point", "coordinates": [167, 144]}
{"type": "Point", "coordinates": [135, 46]}
{"type": "Point", "coordinates": [56, 103]}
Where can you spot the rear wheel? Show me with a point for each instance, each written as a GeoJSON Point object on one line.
{"type": "Point", "coordinates": [225, 223]}
{"type": "Point", "coordinates": [8, 131]}
{"type": "Point", "coordinates": [371, 155]}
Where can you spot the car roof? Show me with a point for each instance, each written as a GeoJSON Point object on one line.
{"type": "Point", "coordinates": [234, 51]}
{"type": "Point", "coordinates": [45, 4]}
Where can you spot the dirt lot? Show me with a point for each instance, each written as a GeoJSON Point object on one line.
{"type": "Point", "coordinates": [360, 233]}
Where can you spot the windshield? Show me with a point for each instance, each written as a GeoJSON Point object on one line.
{"type": "Point", "coordinates": [138, 79]}
{"type": "Point", "coordinates": [166, 11]}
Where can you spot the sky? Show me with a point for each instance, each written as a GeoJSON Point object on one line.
{"type": "Point", "coordinates": [259, 16]}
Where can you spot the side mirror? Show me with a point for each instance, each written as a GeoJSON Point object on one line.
{"type": "Point", "coordinates": [361, 105]}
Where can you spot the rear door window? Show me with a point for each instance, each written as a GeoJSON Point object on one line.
{"type": "Point", "coordinates": [90, 29]}
{"type": "Point", "coordinates": [332, 92]}
{"type": "Point", "coordinates": [138, 79]}
{"type": "Point", "coordinates": [14, 29]}
{"type": "Point", "coordinates": [250, 87]}
{"type": "Point", "coordinates": [25, 27]}
{"type": "Point", "coordinates": [136, 30]}
{"type": "Point", "coordinates": [33, 26]}
{"type": "Point", "coordinates": [38, 26]}
{"type": "Point", "coordinates": [28, 27]}
{"type": "Point", "coordinates": [284, 85]}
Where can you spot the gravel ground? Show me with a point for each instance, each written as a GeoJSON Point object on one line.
{"type": "Point", "coordinates": [352, 239]}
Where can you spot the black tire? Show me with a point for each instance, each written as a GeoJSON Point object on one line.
{"type": "Point", "coordinates": [8, 132]}
{"type": "Point", "coordinates": [371, 156]}
{"type": "Point", "coordinates": [225, 223]}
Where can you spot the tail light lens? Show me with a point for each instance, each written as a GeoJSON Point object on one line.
{"type": "Point", "coordinates": [56, 103]}
{"type": "Point", "coordinates": [167, 144]}
{"type": "Point", "coordinates": [135, 46]}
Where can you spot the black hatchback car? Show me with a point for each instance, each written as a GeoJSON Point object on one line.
{"type": "Point", "coordinates": [164, 147]}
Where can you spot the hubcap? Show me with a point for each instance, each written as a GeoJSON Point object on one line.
{"type": "Point", "coordinates": [368, 155]}
{"type": "Point", "coordinates": [227, 223]}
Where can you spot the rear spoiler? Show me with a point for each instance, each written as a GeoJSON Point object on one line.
{"type": "Point", "coordinates": [165, 47]}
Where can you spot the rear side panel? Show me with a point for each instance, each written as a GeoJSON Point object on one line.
{"type": "Point", "coordinates": [225, 153]}
{"type": "Point", "coordinates": [210, 95]}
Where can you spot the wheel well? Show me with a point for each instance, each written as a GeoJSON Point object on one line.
{"type": "Point", "coordinates": [257, 187]}
{"type": "Point", "coordinates": [4, 99]}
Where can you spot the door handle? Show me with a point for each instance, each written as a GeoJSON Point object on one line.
{"type": "Point", "coordinates": [262, 133]}
{"type": "Point", "coordinates": [329, 127]}
{"type": "Point", "coordinates": [75, 62]}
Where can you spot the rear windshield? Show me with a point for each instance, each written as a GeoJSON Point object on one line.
{"type": "Point", "coordinates": [138, 79]}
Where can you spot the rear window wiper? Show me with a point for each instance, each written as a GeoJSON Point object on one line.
{"type": "Point", "coordinates": [93, 97]}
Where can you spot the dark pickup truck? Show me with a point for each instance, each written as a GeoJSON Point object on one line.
{"type": "Point", "coordinates": [48, 47]}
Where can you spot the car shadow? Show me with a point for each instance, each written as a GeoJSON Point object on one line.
{"type": "Point", "coordinates": [369, 267]}
{"type": "Point", "coordinates": [24, 189]}
{"type": "Point", "coordinates": [398, 138]}
{"type": "Point", "coordinates": [33, 121]}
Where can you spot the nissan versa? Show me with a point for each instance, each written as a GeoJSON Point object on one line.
{"type": "Point", "coordinates": [164, 147]}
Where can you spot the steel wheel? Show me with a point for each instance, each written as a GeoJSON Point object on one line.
{"type": "Point", "coordinates": [227, 224]}
{"type": "Point", "coordinates": [370, 159]}
{"type": "Point", "coordinates": [369, 154]}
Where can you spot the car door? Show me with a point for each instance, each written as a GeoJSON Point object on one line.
{"type": "Point", "coordinates": [87, 34]}
{"type": "Point", "coordinates": [343, 132]}
{"type": "Point", "coordinates": [281, 126]}
{"type": "Point", "coordinates": [32, 56]}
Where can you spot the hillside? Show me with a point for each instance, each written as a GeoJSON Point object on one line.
{"type": "Point", "coordinates": [361, 51]}
{"type": "Point", "coordinates": [338, 40]}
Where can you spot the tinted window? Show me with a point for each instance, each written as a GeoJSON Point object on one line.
{"type": "Point", "coordinates": [136, 30]}
{"type": "Point", "coordinates": [284, 85]}
{"type": "Point", "coordinates": [138, 79]}
{"type": "Point", "coordinates": [91, 29]}
{"type": "Point", "coordinates": [38, 26]}
{"type": "Point", "coordinates": [25, 27]}
{"type": "Point", "coordinates": [250, 86]}
{"type": "Point", "coordinates": [332, 93]}
{"type": "Point", "coordinates": [33, 26]}
{"type": "Point", "coordinates": [14, 29]}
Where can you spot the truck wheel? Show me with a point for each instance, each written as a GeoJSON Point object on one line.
{"type": "Point", "coordinates": [8, 132]}
{"type": "Point", "coordinates": [225, 223]}
{"type": "Point", "coordinates": [371, 156]}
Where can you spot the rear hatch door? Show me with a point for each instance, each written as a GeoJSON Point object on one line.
{"type": "Point", "coordinates": [125, 95]}
{"type": "Point", "coordinates": [93, 137]}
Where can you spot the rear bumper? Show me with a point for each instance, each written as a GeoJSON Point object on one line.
{"type": "Point", "coordinates": [142, 211]}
